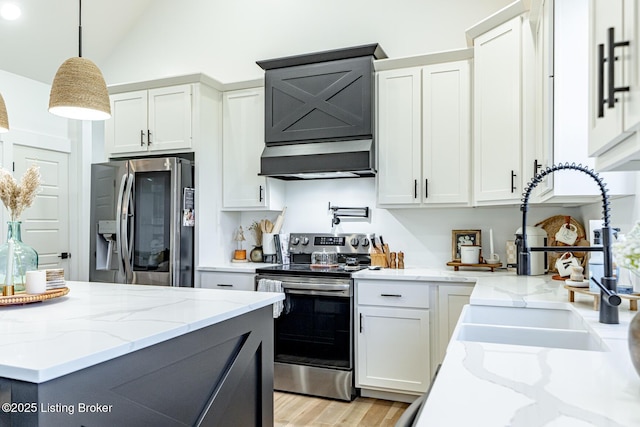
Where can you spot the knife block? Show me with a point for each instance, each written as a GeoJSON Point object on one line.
{"type": "Point", "coordinates": [379, 260]}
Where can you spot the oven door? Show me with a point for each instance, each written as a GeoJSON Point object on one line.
{"type": "Point", "coordinates": [313, 337]}
{"type": "Point", "coordinates": [315, 327]}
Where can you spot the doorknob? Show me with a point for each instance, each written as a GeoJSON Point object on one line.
{"type": "Point", "coordinates": [64, 255]}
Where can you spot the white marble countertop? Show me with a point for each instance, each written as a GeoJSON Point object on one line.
{"type": "Point", "coordinates": [97, 322]}
{"type": "Point", "coordinates": [484, 384]}
{"type": "Point", "coordinates": [427, 274]}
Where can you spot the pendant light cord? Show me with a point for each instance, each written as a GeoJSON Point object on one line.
{"type": "Point", "coordinates": [80, 28]}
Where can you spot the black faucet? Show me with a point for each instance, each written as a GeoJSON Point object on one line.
{"type": "Point", "coordinates": [609, 300]}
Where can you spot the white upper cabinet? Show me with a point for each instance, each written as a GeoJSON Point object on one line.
{"type": "Point", "coordinates": [424, 131]}
{"type": "Point", "coordinates": [446, 141]}
{"type": "Point", "coordinates": [614, 86]}
{"type": "Point", "coordinates": [498, 114]}
{"type": "Point", "coordinates": [606, 118]}
{"type": "Point", "coordinates": [242, 145]}
{"type": "Point", "coordinates": [399, 140]}
{"type": "Point", "coordinates": [150, 120]}
{"type": "Point", "coordinates": [562, 58]}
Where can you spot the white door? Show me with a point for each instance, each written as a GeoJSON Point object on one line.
{"type": "Point", "coordinates": [45, 225]}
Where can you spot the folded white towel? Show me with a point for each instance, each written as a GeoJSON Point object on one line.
{"type": "Point", "coordinates": [269, 285]}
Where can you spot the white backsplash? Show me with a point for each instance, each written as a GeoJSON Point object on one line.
{"type": "Point", "coordinates": [423, 234]}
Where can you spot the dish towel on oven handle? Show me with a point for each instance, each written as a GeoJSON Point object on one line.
{"type": "Point", "coordinates": [269, 285]}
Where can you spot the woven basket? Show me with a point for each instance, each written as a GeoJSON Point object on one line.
{"type": "Point", "coordinates": [551, 225]}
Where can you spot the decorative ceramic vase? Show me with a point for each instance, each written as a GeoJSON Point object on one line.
{"type": "Point", "coordinates": [24, 258]}
{"type": "Point", "coordinates": [256, 254]}
{"type": "Point", "coordinates": [634, 341]}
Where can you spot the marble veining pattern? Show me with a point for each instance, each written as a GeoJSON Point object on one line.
{"type": "Point", "coordinates": [527, 386]}
{"type": "Point", "coordinates": [97, 322]}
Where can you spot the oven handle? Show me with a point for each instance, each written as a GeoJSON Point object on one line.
{"type": "Point", "coordinates": [344, 293]}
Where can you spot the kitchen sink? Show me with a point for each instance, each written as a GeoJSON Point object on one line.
{"type": "Point", "coordinates": [527, 326]}
{"type": "Point", "coordinates": [531, 317]}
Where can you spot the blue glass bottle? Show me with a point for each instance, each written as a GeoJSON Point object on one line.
{"type": "Point", "coordinates": [25, 258]}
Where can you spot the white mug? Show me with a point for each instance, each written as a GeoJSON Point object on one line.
{"type": "Point", "coordinates": [568, 234]}
{"type": "Point", "coordinates": [565, 263]}
{"type": "Point", "coordinates": [470, 254]}
{"type": "Point", "coordinates": [36, 282]}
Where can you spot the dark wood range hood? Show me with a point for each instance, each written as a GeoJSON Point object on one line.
{"type": "Point", "coordinates": [319, 114]}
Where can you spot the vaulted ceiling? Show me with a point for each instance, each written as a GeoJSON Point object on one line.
{"type": "Point", "coordinates": [46, 34]}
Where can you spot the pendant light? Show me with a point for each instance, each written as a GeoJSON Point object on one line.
{"type": "Point", "coordinates": [78, 90]}
{"type": "Point", "coordinates": [4, 118]}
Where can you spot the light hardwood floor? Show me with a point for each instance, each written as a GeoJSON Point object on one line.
{"type": "Point", "coordinates": [305, 411]}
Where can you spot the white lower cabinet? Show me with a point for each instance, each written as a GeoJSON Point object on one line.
{"type": "Point", "coordinates": [392, 336]}
{"type": "Point", "coordinates": [402, 331]}
{"type": "Point", "coordinates": [226, 280]}
{"type": "Point", "coordinates": [394, 349]}
{"type": "Point", "coordinates": [451, 299]}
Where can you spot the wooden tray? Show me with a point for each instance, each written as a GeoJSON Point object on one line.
{"type": "Point", "coordinates": [457, 264]}
{"type": "Point", "coordinates": [633, 298]}
{"type": "Point", "coordinates": [22, 298]}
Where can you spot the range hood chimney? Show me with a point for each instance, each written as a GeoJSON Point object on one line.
{"type": "Point", "coordinates": [319, 114]}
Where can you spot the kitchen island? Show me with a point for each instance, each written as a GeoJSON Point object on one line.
{"type": "Point", "coordinates": [132, 355]}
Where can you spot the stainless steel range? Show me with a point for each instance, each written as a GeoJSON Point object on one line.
{"type": "Point", "coordinates": [314, 334]}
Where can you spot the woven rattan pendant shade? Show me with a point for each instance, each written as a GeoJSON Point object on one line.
{"type": "Point", "coordinates": [79, 91]}
{"type": "Point", "coordinates": [4, 118]}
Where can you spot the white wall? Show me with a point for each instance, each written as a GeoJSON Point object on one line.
{"type": "Point", "coordinates": [28, 106]}
{"type": "Point", "coordinates": [423, 234]}
{"type": "Point", "coordinates": [224, 38]}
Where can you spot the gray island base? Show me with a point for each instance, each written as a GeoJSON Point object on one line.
{"type": "Point", "coordinates": [220, 375]}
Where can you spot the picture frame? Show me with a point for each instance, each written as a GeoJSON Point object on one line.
{"type": "Point", "coordinates": [460, 237]}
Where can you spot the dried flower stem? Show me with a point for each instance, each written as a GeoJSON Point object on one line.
{"type": "Point", "coordinates": [17, 197]}
{"type": "Point", "coordinates": [257, 232]}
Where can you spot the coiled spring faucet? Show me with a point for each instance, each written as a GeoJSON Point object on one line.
{"type": "Point", "coordinates": [608, 284]}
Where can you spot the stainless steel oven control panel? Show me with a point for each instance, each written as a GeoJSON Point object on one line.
{"type": "Point", "coordinates": [306, 243]}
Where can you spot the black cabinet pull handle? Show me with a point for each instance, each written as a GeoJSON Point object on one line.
{"type": "Point", "coordinates": [224, 285]}
{"type": "Point", "coordinates": [148, 137]}
{"type": "Point", "coordinates": [141, 138]}
{"type": "Point", "coordinates": [426, 188]}
{"type": "Point", "coordinates": [361, 323]}
{"type": "Point", "coordinates": [536, 166]}
{"type": "Point", "coordinates": [611, 66]}
{"type": "Point", "coordinates": [513, 181]}
{"type": "Point", "coordinates": [391, 295]}
{"type": "Point", "coordinates": [601, 61]}
{"type": "Point", "coordinates": [260, 194]}
{"type": "Point", "coordinates": [415, 188]}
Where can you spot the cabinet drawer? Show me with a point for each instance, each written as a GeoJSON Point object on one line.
{"type": "Point", "coordinates": [229, 281]}
{"type": "Point", "coordinates": [393, 293]}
